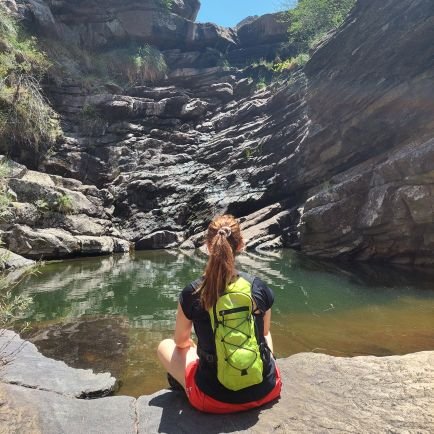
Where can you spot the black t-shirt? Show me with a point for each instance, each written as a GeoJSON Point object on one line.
{"type": "Point", "coordinates": [206, 375]}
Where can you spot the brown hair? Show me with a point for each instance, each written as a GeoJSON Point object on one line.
{"type": "Point", "coordinates": [223, 240]}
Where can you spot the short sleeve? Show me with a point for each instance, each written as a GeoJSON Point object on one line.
{"type": "Point", "coordinates": [186, 301]}
{"type": "Point", "coordinates": [262, 294]}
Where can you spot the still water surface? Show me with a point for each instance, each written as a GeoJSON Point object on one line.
{"type": "Point", "coordinates": [109, 313]}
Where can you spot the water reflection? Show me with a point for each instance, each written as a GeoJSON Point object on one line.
{"type": "Point", "coordinates": [110, 313]}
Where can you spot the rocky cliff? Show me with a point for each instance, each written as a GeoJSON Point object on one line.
{"type": "Point", "coordinates": [335, 159]}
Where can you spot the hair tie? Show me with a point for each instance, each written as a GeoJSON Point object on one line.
{"type": "Point", "coordinates": [226, 231]}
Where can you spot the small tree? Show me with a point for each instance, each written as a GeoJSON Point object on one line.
{"type": "Point", "coordinates": [310, 20]}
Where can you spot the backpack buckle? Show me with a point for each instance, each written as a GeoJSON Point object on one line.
{"type": "Point", "coordinates": [209, 358]}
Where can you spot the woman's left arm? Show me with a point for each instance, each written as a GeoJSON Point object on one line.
{"type": "Point", "coordinates": [182, 329]}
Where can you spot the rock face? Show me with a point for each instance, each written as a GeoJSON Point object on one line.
{"type": "Point", "coordinates": [101, 23]}
{"type": "Point", "coordinates": [381, 146]}
{"type": "Point", "coordinates": [23, 365]}
{"type": "Point", "coordinates": [335, 158]}
{"type": "Point", "coordinates": [263, 37]}
{"type": "Point", "coordinates": [53, 217]}
{"type": "Point", "coordinates": [362, 394]}
{"type": "Point", "coordinates": [394, 219]}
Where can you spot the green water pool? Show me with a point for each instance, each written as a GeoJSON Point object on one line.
{"type": "Point", "coordinates": [109, 313]}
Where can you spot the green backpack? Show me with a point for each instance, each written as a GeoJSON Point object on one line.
{"type": "Point", "coordinates": [239, 361]}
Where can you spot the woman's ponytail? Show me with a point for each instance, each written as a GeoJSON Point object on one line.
{"type": "Point", "coordinates": [223, 241]}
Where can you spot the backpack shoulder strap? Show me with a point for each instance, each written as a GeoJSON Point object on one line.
{"type": "Point", "coordinates": [246, 276]}
{"type": "Point", "coordinates": [250, 278]}
{"type": "Point", "coordinates": [196, 283]}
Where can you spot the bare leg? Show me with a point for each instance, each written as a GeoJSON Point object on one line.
{"type": "Point", "coordinates": [175, 359]}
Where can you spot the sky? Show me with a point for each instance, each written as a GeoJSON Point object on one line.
{"type": "Point", "coordinates": [228, 13]}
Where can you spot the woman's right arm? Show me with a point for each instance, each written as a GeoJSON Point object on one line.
{"type": "Point", "coordinates": [267, 333]}
{"type": "Point", "coordinates": [182, 329]}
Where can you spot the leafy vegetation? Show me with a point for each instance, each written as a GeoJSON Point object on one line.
{"type": "Point", "coordinates": [12, 306]}
{"type": "Point", "coordinates": [253, 152]}
{"type": "Point", "coordinates": [4, 196]}
{"type": "Point", "coordinates": [148, 65]}
{"type": "Point", "coordinates": [26, 118]}
{"type": "Point", "coordinates": [133, 65]}
{"type": "Point", "coordinates": [42, 205]}
{"type": "Point", "coordinates": [310, 20]}
{"type": "Point", "coordinates": [291, 63]}
{"type": "Point", "coordinates": [64, 204]}
{"type": "Point", "coordinates": [167, 4]}
{"type": "Point", "coordinates": [92, 121]}
{"type": "Point", "coordinates": [261, 84]}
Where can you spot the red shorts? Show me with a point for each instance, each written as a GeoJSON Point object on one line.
{"type": "Point", "coordinates": [205, 403]}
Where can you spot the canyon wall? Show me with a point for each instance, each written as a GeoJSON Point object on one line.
{"type": "Point", "coordinates": [335, 158]}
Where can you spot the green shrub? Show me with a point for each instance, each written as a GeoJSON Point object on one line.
{"type": "Point", "coordinates": [262, 62]}
{"type": "Point", "coordinates": [148, 65]}
{"type": "Point", "coordinates": [291, 63]}
{"type": "Point", "coordinates": [12, 306]}
{"type": "Point", "coordinates": [129, 66]}
{"type": "Point", "coordinates": [167, 4]}
{"type": "Point", "coordinates": [5, 198]}
{"type": "Point", "coordinates": [310, 20]}
{"type": "Point", "coordinates": [93, 69]}
{"type": "Point", "coordinates": [5, 170]}
{"type": "Point", "coordinates": [92, 121]}
{"type": "Point", "coordinates": [26, 118]}
{"type": "Point", "coordinates": [64, 204]}
{"type": "Point", "coordinates": [42, 205]}
{"type": "Point", "coordinates": [261, 84]}
{"type": "Point", "coordinates": [253, 152]}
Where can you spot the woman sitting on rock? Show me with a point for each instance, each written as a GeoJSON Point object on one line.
{"type": "Point", "coordinates": [232, 368]}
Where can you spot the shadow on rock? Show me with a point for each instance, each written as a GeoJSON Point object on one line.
{"type": "Point", "coordinates": [169, 412]}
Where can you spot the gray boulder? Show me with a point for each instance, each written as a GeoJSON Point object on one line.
{"type": "Point", "coordinates": [266, 29]}
{"type": "Point", "coordinates": [26, 410]}
{"type": "Point", "coordinates": [160, 240]}
{"type": "Point", "coordinates": [11, 261]}
{"type": "Point", "coordinates": [51, 243]}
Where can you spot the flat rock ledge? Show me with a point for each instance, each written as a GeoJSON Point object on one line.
{"type": "Point", "coordinates": [321, 394]}
{"type": "Point", "coordinates": [25, 366]}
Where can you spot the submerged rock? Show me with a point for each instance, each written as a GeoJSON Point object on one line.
{"type": "Point", "coordinates": [24, 365]}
